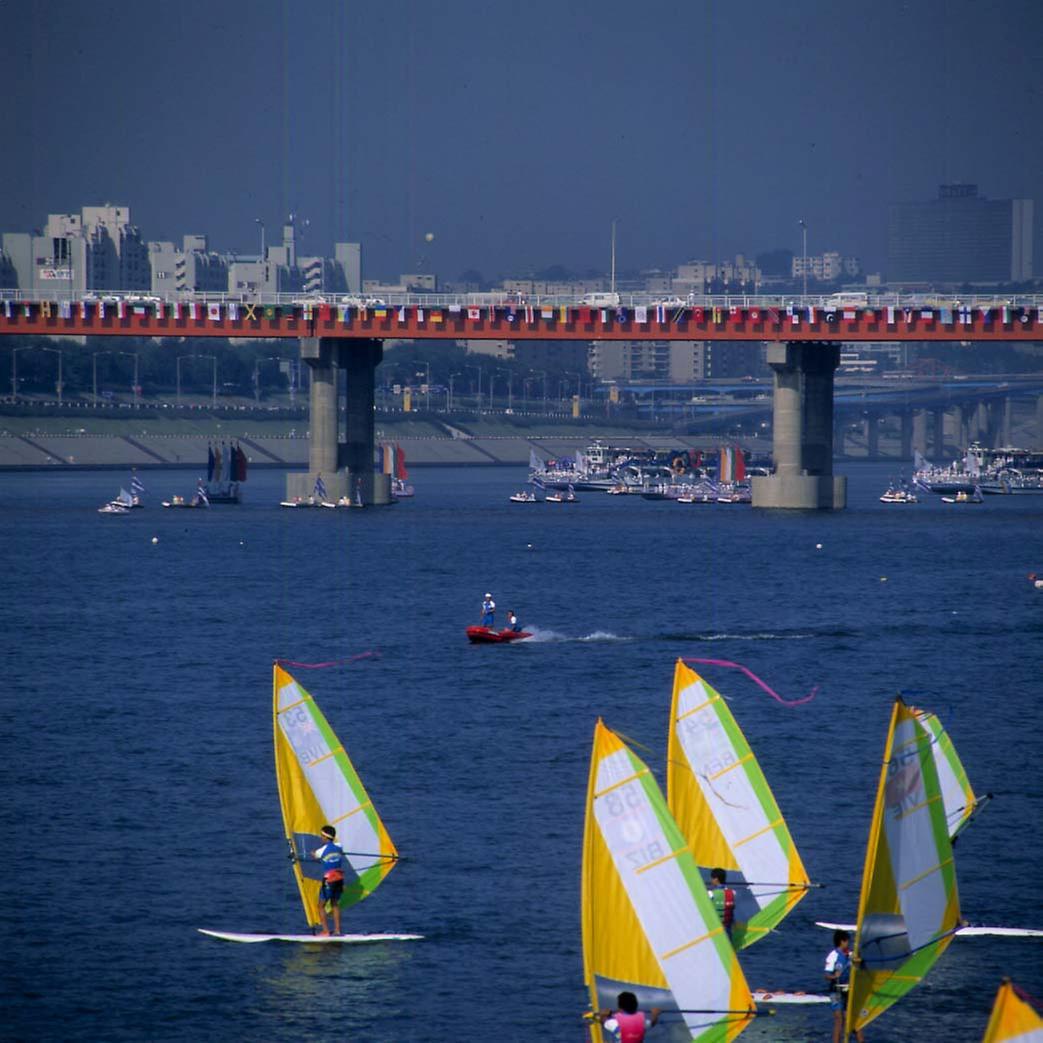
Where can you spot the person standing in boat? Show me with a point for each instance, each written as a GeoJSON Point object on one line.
{"type": "Point", "coordinates": [723, 899]}
{"type": "Point", "coordinates": [488, 611]}
{"type": "Point", "coordinates": [331, 855]}
{"type": "Point", "coordinates": [838, 973]}
{"type": "Point", "coordinates": [628, 1024]}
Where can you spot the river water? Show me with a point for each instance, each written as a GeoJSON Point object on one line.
{"type": "Point", "coordinates": [139, 792]}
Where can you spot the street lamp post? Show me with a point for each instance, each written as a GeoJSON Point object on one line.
{"type": "Point", "coordinates": [58, 386]}
{"type": "Point", "coordinates": [213, 389]}
{"type": "Point", "coordinates": [479, 369]}
{"type": "Point", "coordinates": [449, 401]}
{"type": "Point", "coordinates": [427, 394]}
{"type": "Point", "coordinates": [94, 373]}
{"type": "Point", "coordinates": [14, 372]}
{"type": "Point", "coordinates": [804, 252]}
{"type": "Point", "coordinates": [177, 368]}
{"type": "Point", "coordinates": [543, 373]}
{"type": "Point", "coordinates": [136, 388]}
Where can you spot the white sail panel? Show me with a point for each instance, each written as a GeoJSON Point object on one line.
{"type": "Point", "coordinates": [651, 866]}
{"type": "Point", "coordinates": [956, 788]}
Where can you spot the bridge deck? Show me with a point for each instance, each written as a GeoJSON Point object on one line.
{"type": "Point", "coordinates": [136, 316]}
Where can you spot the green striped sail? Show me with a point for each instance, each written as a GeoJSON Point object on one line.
{"type": "Point", "coordinates": [725, 808]}
{"type": "Point", "coordinates": [957, 794]}
{"type": "Point", "coordinates": [909, 908]}
{"type": "Point", "coordinates": [318, 786]}
{"type": "Point", "coordinates": [648, 925]}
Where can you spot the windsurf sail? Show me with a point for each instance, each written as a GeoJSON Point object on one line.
{"type": "Point", "coordinates": [957, 794]}
{"type": "Point", "coordinates": [648, 925]}
{"type": "Point", "coordinates": [1013, 1019]}
{"type": "Point", "coordinates": [318, 786]}
{"type": "Point", "coordinates": [909, 908]}
{"type": "Point", "coordinates": [726, 811]}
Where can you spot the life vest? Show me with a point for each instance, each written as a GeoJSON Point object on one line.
{"type": "Point", "coordinates": [724, 902]}
{"type": "Point", "coordinates": [332, 857]}
{"type": "Point", "coordinates": [631, 1027]}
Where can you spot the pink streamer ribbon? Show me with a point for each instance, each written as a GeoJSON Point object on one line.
{"type": "Point", "coordinates": [331, 662]}
{"type": "Point", "coordinates": [764, 686]}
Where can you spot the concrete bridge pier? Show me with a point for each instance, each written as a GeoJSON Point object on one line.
{"type": "Point", "coordinates": [871, 428]}
{"type": "Point", "coordinates": [938, 435]}
{"type": "Point", "coordinates": [919, 433]}
{"type": "Point", "coordinates": [346, 467]}
{"type": "Point", "coordinates": [803, 430]}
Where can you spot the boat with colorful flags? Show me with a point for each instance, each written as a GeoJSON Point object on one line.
{"type": "Point", "coordinates": [648, 925]}
{"type": "Point", "coordinates": [226, 470]}
{"type": "Point", "coordinates": [319, 788]}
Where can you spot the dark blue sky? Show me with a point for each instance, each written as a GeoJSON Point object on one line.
{"type": "Point", "coordinates": [515, 132]}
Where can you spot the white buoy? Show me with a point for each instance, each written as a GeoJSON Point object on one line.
{"type": "Point", "coordinates": [529, 546]}
{"type": "Point", "coordinates": [155, 539]}
{"type": "Point", "coordinates": [883, 579]}
{"type": "Point", "coordinates": [818, 546]}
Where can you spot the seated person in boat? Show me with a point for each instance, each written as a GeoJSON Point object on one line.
{"type": "Point", "coordinates": [512, 622]}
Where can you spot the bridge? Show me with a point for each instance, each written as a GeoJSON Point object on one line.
{"type": "Point", "coordinates": [346, 334]}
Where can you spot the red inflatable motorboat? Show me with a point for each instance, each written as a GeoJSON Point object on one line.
{"type": "Point", "coordinates": [488, 636]}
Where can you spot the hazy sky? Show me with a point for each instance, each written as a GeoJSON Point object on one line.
{"type": "Point", "coordinates": [515, 132]}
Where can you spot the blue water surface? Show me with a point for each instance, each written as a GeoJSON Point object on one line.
{"type": "Point", "coordinates": [139, 790]}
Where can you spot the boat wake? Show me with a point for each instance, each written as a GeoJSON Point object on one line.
{"type": "Point", "coordinates": [755, 635]}
{"type": "Point", "coordinates": [553, 635]}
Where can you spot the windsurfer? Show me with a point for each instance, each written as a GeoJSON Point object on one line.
{"type": "Point", "coordinates": [488, 611]}
{"type": "Point", "coordinates": [628, 1024]}
{"type": "Point", "coordinates": [331, 855]}
{"type": "Point", "coordinates": [723, 899]}
{"type": "Point", "coordinates": [838, 971]}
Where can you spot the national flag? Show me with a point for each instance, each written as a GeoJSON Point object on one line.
{"type": "Point", "coordinates": [734, 314]}
{"type": "Point", "coordinates": [402, 316]}
{"type": "Point", "coordinates": [436, 315]}
{"type": "Point", "coordinates": [343, 312]}
{"type": "Point", "coordinates": [193, 310]}
{"type": "Point", "coordinates": [547, 313]}
{"type": "Point", "coordinates": [1023, 316]}
{"type": "Point", "coordinates": [586, 314]}
{"type": "Point", "coordinates": [474, 313]}
{"type": "Point", "coordinates": [986, 314]}
{"type": "Point", "coordinates": [1006, 315]}
{"type": "Point", "coordinates": [927, 314]}
{"type": "Point", "coordinates": [755, 315]}
{"type": "Point", "coordinates": [7, 309]}
{"type": "Point", "coordinates": [45, 309]}
{"type": "Point", "coordinates": [380, 313]}
{"type": "Point", "coordinates": [28, 309]}
{"type": "Point", "coordinates": [945, 314]}
{"type": "Point", "coordinates": [678, 314]}
{"type": "Point", "coordinates": [811, 313]}
{"type": "Point", "coordinates": [794, 317]}
{"type": "Point", "coordinates": [850, 314]}
{"type": "Point", "coordinates": [213, 312]}
{"type": "Point", "coordinates": [891, 315]}
{"type": "Point", "coordinates": [641, 314]}
{"type": "Point", "coordinates": [621, 315]}
{"type": "Point", "coordinates": [698, 315]}
{"type": "Point", "coordinates": [1039, 315]}
{"type": "Point", "coordinates": [530, 313]}
{"type": "Point", "coordinates": [121, 309]}
{"type": "Point", "coordinates": [718, 315]}
{"type": "Point", "coordinates": [455, 309]}
{"type": "Point", "coordinates": [563, 314]}
{"type": "Point", "coordinates": [420, 315]}
{"type": "Point", "coordinates": [101, 310]}
{"type": "Point", "coordinates": [306, 312]}
{"type": "Point", "coordinates": [270, 312]}
{"type": "Point", "coordinates": [140, 309]}
{"type": "Point", "coordinates": [320, 487]}
{"type": "Point", "coordinates": [83, 310]}
{"type": "Point", "coordinates": [233, 311]}
{"type": "Point", "coordinates": [831, 315]}
{"type": "Point", "coordinates": [65, 309]}
{"type": "Point", "coordinates": [965, 316]}
{"type": "Point", "coordinates": [511, 314]}
{"type": "Point", "coordinates": [660, 314]}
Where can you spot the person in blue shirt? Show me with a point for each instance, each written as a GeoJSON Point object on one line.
{"type": "Point", "coordinates": [838, 973]}
{"type": "Point", "coordinates": [331, 855]}
{"type": "Point", "coordinates": [488, 611]}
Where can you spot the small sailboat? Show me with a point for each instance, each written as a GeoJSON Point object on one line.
{"type": "Point", "coordinates": [726, 811]}
{"type": "Point", "coordinates": [1013, 1019]}
{"type": "Point", "coordinates": [523, 497]}
{"type": "Point", "coordinates": [123, 503]}
{"type": "Point", "coordinates": [318, 785]}
{"type": "Point", "coordinates": [909, 908]}
{"type": "Point", "coordinates": [648, 925]}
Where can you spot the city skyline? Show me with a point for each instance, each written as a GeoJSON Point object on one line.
{"type": "Point", "coordinates": [515, 142]}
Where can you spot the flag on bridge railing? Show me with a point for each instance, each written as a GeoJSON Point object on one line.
{"type": "Point", "coordinates": [402, 316]}
{"type": "Point", "coordinates": [65, 309]}
{"type": "Point", "coordinates": [986, 314]}
{"type": "Point", "coordinates": [233, 311]}
{"type": "Point", "coordinates": [511, 314]}
{"type": "Point", "coordinates": [698, 315]}
{"type": "Point", "coordinates": [474, 313]}
{"type": "Point", "coordinates": [641, 315]}
{"type": "Point", "coordinates": [755, 315]}
{"type": "Point", "coordinates": [7, 309]}
{"type": "Point", "coordinates": [1006, 315]}
{"type": "Point", "coordinates": [965, 315]}
{"type": "Point", "coordinates": [621, 315]}
{"type": "Point", "coordinates": [660, 314]}
{"type": "Point", "coordinates": [213, 312]}
{"type": "Point", "coordinates": [530, 313]}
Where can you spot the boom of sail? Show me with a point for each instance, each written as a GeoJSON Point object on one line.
{"type": "Point", "coordinates": [726, 811]}
{"type": "Point", "coordinates": [957, 794]}
{"type": "Point", "coordinates": [909, 908]}
{"type": "Point", "coordinates": [648, 924]}
{"type": "Point", "coordinates": [318, 785]}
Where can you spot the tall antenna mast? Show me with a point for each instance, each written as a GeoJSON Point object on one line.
{"type": "Point", "coordinates": [613, 286]}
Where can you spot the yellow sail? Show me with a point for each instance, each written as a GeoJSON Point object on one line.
{"type": "Point", "coordinates": [1013, 1020]}
{"type": "Point", "coordinates": [726, 810]}
{"type": "Point", "coordinates": [318, 786]}
{"type": "Point", "coordinates": [909, 907]}
{"type": "Point", "coordinates": [648, 925]}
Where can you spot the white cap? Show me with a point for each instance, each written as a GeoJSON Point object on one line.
{"type": "Point", "coordinates": [488, 595]}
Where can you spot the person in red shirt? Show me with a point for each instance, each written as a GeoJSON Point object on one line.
{"type": "Point", "coordinates": [628, 1024]}
{"type": "Point", "coordinates": [723, 899]}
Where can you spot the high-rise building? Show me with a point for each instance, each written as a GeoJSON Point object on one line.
{"type": "Point", "coordinates": [960, 237]}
